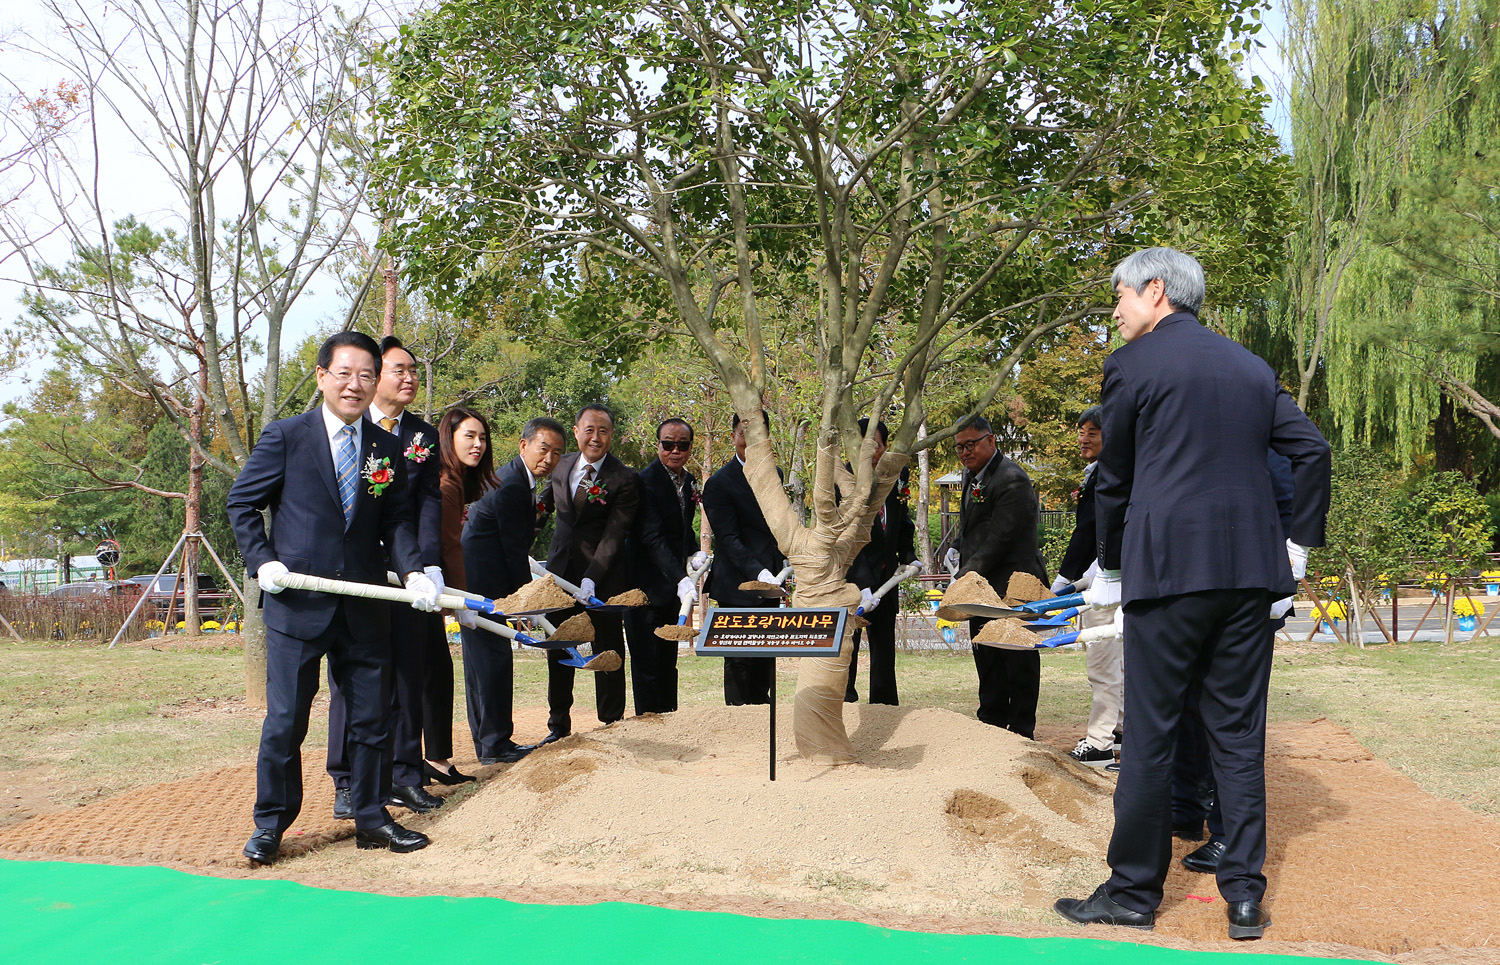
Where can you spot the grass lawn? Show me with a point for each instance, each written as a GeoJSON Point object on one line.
{"type": "Point", "coordinates": [79, 721]}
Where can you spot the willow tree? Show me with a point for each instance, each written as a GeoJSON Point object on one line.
{"type": "Point", "coordinates": [1394, 113]}
{"type": "Point", "coordinates": [937, 174]}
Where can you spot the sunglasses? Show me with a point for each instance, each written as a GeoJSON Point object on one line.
{"type": "Point", "coordinates": [670, 445]}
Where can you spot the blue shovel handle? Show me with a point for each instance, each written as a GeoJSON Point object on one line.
{"type": "Point", "coordinates": [1056, 620]}
{"type": "Point", "coordinates": [487, 607]}
{"type": "Point", "coordinates": [1056, 603]}
{"type": "Point", "coordinates": [1062, 639]}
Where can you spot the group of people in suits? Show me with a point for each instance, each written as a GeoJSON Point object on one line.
{"type": "Point", "coordinates": [1179, 529]}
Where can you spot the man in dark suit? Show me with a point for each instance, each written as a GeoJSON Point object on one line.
{"type": "Point", "coordinates": [503, 523]}
{"type": "Point", "coordinates": [997, 524]}
{"type": "Point", "coordinates": [1105, 662]}
{"type": "Point", "coordinates": [595, 496]}
{"type": "Point", "coordinates": [420, 677]}
{"type": "Point", "coordinates": [744, 550]}
{"type": "Point", "coordinates": [1188, 417]}
{"type": "Point", "coordinates": [660, 546]}
{"type": "Point", "coordinates": [892, 545]}
{"type": "Point", "coordinates": [335, 485]}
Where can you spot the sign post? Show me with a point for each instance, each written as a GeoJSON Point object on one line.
{"type": "Point", "coordinates": [771, 632]}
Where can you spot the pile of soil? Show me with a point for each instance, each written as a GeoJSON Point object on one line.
{"type": "Point", "coordinates": [946, 824]}
{"type": "Point", "coordinates": [629, 598]}
{"type": "Point", "coordinates": [577, 628]}
{"type": "Point", "coordinates": [969, 588]}
{"type": "Point", "coordinates": [539, 594]}
{"type": "Point", "coordinates": [1025, 588]}
{"type": "Point", "coordinates": [1011, 633]}
{"type": "Point", "coordinates": [759, 586]}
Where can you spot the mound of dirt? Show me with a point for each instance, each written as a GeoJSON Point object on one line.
{"type": "Point", "coordinates": [682, 804]}
{"type": "Point", "coordinates": [1024, 588]}
{"type": "Point", "coordinates": [578, 628]}
{"type": "Point", "coordinates": [540, 594]}
{"type": "Point", "coordinates": [1006, 632]}
{"type": "Point", "coordinates": [969, 588]}
{"type": "Point", "coordinates": [629, 598]}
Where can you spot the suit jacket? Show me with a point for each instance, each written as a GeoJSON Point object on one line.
{"type": "Point", "coordinates": [588, 541]}
{"type": "Point", "coordinates": [1185, 499]}
{"type": "Point", "coordinates": [423, 494]}
{"type": "Point", "coordinates": [497, 538]}
{"type": "Point", "coordinates": [891, 545]}
{"type": "Point", "coordinates": [998, 528]}
{"type": "Point", "coordinates": [663, 537]}
{"type": "Point", "coordinates": [290, 471]}
{"type": "Point", "coordinates": [1082, 546]}
{"type": "Point", "coordinates": [743, 544]}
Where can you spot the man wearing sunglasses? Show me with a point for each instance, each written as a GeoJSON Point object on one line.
{"type": "Point", "coordinates": [997, 525]}
{"type": "Point", "coordinates": [659, 548]}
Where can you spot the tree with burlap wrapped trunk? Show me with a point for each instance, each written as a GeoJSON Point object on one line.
{"type": "Point", "coordinates": [929, 188]}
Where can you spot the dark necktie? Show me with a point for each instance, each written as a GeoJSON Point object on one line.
{"type": "Point", "coordinates": [580, 495]}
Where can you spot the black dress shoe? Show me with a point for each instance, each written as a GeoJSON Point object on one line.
{"type": "Point", "coordinates": [450, 779]}
{"type": "Point", "coordinates": [551, 738]}
{"type": "Point", "coordinates": [1188, 830]}
{"type": "Point", "coordinates": [1206, 858]}
{"type": "Point", "coordinates": [413, 799]}
{"type": "Point", "coordinates": [263, 846]}
{"type": "Point", "coordinates": [392, 836]}
{"type": "Point", "coordinates": [1247, 919]}
{"type": "Point", "coordinates": [510, 755]}
{"type": "Point", "coordinates": [343, 804]}
{"type": "Point", "coordinates": [1100, 909]}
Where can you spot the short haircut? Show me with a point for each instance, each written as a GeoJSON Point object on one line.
{"type": "Point", "coordinates": [595, 407]}
{"type": "Point", "coordinates": [339, 340]}
{"type": "Point", "coordinates": [544, 423]}
{"type": "Point", "coordinates": [674, 421]}
{"type": "Point", "coordinates": [880, 427]}
{"type": "Point", "coordinates": [979, 423]}
{"type": "Point", "coordinates": [1093, 415]}
{"type": "Point", "coordinates": [1180, 274]}
{"type": "Point", "coordinates": [390, 342]}
{"type": "Point", "coordinates": [765, 416]}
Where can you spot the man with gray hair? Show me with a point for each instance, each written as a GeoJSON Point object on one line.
{"type": "Point", "coordinates": [1188, 417]}
{"type": "Point", "coordinates": [1105, 662]}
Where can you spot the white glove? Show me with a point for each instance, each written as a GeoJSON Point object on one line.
{"type": "Point", "coordinates": [1105, 591]}
{"type": "Point", "coordinates": [427, 591]}
{"type": "Point", "coordinates": [1279, 608]}
{"type": "Point", "coordinates": [766, 576]}
{"type": "Point", "coordinates": [1087, 579]}
{"type": "Point", "coordinates": [950, 559]}
{"type": "Point", "coordinates": [585, 591]}
{"type": "Point", "coordinates": [1060, 584]}
{"type": "Point", "coordinates": [867, 599]}
{"type": "Point", "coordinates": [686, 590]}
{"type": "Point", "coordinates": [435, 574]}
{"type": "Point", "coordinates": [698, 560]}
{"type": "Point", "coordinates": [267, 574]}
{"type": "Point", "coordinates": [1298, 556]}
{"type": "Point", "coordinates": [466, 618]}
{"type": "Point", "coordinates": [1120, 624]}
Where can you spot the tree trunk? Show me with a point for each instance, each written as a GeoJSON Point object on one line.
{"type": "Point", "coordinates": [796, 479]}
{"type": "Point", "coordinates": [1447, 453]}
{"type": "Point", "coordinates": [192, 517]}
{"type": "Point", "coordinates": [253, 635]}
{"type": "Point", "coordinates": [388, 320]}
{"type": "Point", "coordinates": [924, 483]}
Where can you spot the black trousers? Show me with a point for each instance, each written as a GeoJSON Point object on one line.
{"type": "Point", "coordinates": [653, 661]}
{"type": "Point", "coordinates": [409, 642]}
{"type": "Point", "coordinates": [437, 690]}
{"type": "Point", "coordinates": [1009, 682]}
{"type": "Point", "coordinates": [880, 635]}
{"type": "Point", "coordinates": [489, 691]}
{"type": "Point", "coordinates": [748, 680]}
{"type": "Point", "coordinates": [1194, 796]}
{"type": "Point", "coordinates": [1218, 641]}
{"type": "Point", "coordinates": [609, 688]}
{"type": "Point", "coordinates": [362, 668]}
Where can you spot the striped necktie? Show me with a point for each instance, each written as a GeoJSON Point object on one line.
{"type": "Point", "coordinates": [347, 465]}
{"type": "Point", "coordinates": [581, 494]}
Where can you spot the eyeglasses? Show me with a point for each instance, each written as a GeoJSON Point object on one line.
{"type": "Point", "coordinates": [670, 445]}
{"type": "Point", "coordinates": [345, 376]}
{"type": "Point", "coordinates": [970, 446]}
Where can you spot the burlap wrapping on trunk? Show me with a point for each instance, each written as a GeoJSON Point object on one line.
{"type": "Point", "coordinates": [820, 555]}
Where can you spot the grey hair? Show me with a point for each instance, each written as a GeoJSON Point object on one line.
{"type": "Point", "coordinates": [1179, 273]}
{"type": "Point", "coordinates": [1094, 416]}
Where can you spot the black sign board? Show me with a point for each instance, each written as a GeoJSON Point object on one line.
{"type": "Point", "coordinates": [771, 632]}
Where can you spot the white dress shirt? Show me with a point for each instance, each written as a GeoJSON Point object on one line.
{"type": "Point", "coordinates": [576, 476]}
{"type": "Point", "coordinates": [332, 424]}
